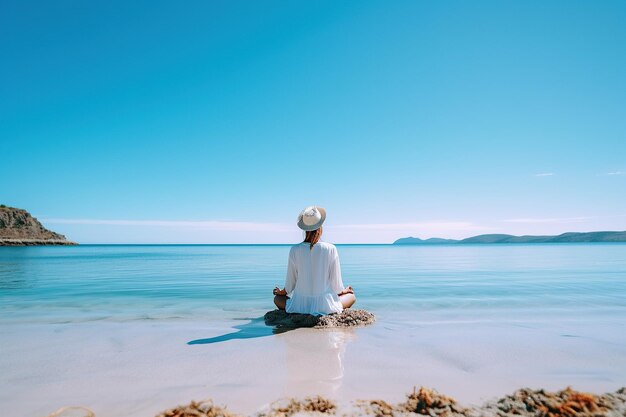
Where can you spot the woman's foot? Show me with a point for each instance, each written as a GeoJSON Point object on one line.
{"type": "Point", "coordinates": [347, 300]}
{"type": "Point", "coordinates": [280, 301]}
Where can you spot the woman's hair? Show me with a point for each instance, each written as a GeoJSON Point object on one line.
{"type": "Point", "coordinates": [313, 236]}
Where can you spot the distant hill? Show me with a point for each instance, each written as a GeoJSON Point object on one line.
{"type": "Point", "coordinates": [418, 241]}
{"type": "Point", "coordinates": [19, 228]}
{"type": "Point", "coordinates": [570, 237]}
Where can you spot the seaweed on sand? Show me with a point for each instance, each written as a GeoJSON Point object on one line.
{"type": "Point", "coordinates": [289, 407]}
{"type": "Point", "coordinates": [198, 409]}
{"type": "Point", "coordinates": [428, 401]}
{"type": "Point", "coordinates": [524, 402]}
{"type": "Point", "coordinates": [378, 408]}
{"type": "Point", "coordinates": [564, 403]}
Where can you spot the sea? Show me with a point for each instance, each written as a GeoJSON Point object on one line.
{"type": "Point", "coordinates": [466, 283]}
{"type": "Point", "coordinates": [472, 320]}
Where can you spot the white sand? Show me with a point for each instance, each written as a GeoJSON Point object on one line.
{"type": "Point", "coordinates": [142, 367]}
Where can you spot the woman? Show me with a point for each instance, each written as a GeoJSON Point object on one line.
{"type": "Point", "coordinates": [313, 284]}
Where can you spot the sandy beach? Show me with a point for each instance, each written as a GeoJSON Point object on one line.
{"type": "Point", "coordinates": [140, 368]}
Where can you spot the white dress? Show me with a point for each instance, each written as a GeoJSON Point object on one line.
{"type": "Point", "coordinates": [313, 279]}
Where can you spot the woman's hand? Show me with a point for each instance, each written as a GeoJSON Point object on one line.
{"type": "Point", "coordinates": [347, 290]}
{"type": "Point", "coordinates": [278, 291]}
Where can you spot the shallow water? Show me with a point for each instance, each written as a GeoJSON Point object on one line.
{"type": "Point", "coordinates": [82, 325]}
{"type": "Point", "coordinates": [467, 283]}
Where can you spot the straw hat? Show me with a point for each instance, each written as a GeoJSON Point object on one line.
{"type": "Point", "coordinates": [311, 218]}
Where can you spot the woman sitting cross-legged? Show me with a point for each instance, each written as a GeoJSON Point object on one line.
{"type": "Point", "coordinates": [313, 281]}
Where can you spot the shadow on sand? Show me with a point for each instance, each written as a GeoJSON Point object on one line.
{"type": "Point", "coordinates": [255, 328]}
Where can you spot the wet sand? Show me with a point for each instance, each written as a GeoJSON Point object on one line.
{"type": "Point", "coordinates": [140, 368]}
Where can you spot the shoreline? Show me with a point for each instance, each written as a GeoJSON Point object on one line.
{"type": "Point", "coordinates": [36, 242]}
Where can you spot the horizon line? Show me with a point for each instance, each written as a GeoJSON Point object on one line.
{"type": "Point", "coordinates": [453, 242]}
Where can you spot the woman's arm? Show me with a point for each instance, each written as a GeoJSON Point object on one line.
{"type": "Point", "coordinates": [336, 282]}
{"type": "Point", "coordinates": [290, 280]}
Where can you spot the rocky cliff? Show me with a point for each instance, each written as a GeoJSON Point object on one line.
{"type": "Point", "coordinates": [19, 228]}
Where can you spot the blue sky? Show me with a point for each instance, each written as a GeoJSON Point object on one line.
{"type": "Point", "coordinates": [217, 122]}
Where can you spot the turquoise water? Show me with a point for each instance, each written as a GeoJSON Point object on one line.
{"type": "Point", "coordinates": [544, 282]}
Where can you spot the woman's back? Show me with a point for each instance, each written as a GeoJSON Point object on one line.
{"type": "Point", "coordinates": [314, 279]}
{"type": "Point", "coordinates": [313, 266]}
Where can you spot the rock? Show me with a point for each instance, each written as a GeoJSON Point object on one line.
{"type": "Point", "coordinates": [347, 318]}
{"type": "Point", "coordinates": [19, 228]}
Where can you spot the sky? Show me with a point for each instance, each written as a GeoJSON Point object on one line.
{"type": "Point", "coordinates": [219, 121]}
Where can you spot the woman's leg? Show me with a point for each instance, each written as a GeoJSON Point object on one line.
{"type": "Point", "coordinates": [280, 301]}
{"type": "Point", "coordinates": [347, 300]}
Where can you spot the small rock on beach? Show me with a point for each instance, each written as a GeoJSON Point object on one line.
{"type": "Point", "coordinates": [347, 318]}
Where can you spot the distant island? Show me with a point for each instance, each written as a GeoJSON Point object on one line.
{"type": "Point", "coordinates": [570, 237]}
{"type": "Point", "coordinates": [19, 228]}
